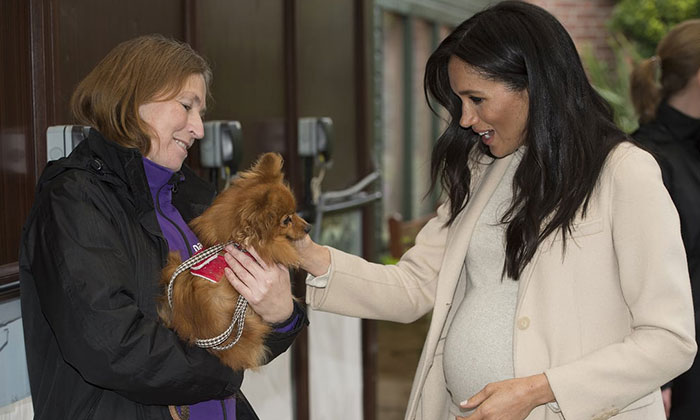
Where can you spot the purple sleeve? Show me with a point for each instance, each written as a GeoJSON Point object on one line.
{"type": "Point", "coordinates": [287, 326]}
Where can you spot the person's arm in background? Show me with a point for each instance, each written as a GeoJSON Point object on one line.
{"type": "Point", "coordinates": [401, 292]}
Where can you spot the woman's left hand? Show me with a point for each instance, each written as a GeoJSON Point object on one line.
{"type": "Point", "coordinates": [267, 288]}
{"type": "Point", "coordinates": [512, 399]}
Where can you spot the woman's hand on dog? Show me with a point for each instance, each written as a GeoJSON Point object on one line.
{"type": "Point", "coordinates": [315, 258]}
{"type": "Point", "coordinates": [267, 288]}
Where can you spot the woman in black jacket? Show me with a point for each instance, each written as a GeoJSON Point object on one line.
{"type": "Point", "coordinates": [102, 224]}
{"type": "Point", "coordinates": [666, 95]}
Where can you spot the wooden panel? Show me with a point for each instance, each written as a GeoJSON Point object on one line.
{"type": "Point", "coordinates": [88, 29]}
{"type": "Point", "coordinates": [16, 147]}
{"type": "Point", "coordinates": [244, 43]}
{"type": "Point", "coordinates": [326, 74]}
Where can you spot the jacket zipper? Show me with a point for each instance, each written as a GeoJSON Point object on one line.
{"type": "Point", "coordinates": [189, 253]}
{"type": "Point", "coordinates": [223, 408]}
{"type": "Point", "coordinates": [182, 234]}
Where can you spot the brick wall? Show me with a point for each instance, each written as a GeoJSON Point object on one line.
{"type": "Point", "coordinates": [585, 20]}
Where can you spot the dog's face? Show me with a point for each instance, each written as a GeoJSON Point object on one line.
{"type": "Point", "coordinates": [268, 222]}
{"type": "Point", "coordinates": [259, 210]}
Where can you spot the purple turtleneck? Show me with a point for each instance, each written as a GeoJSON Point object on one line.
{"type": "Point", "coordinates": [181, 238]}
{"type": "Point", "coordinates": [175, 230]}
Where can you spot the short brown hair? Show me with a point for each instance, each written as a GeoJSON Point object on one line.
{"type": "Point", "coordinates": [133, 73]}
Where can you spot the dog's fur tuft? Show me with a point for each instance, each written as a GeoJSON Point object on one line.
{"type": "Point", "coordinates": [258, 210]}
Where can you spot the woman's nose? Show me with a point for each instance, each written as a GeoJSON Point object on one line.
{"type": "Point", "coordinates": [468, 118]}
{"type": "Point", "coordinates": [196, 126]}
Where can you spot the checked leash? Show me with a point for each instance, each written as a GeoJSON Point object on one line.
{"type": "Point", "coordinates": [214, 343]}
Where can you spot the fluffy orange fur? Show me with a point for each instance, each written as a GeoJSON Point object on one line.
{"type": "Point", "coordinates": [258, 210]}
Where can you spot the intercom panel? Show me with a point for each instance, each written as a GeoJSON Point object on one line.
{"type": "Point", "coordinates": [62, 139]}
{"type": "Point", "coordinates": [222, 144]}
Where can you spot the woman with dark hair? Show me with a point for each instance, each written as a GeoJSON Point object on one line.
{"type": "Point", "coordinates": [665, 92]}
{"type": "Point", "coordinates": [103, 222]}
{"type": "Point", "coordinates": [555, 269]}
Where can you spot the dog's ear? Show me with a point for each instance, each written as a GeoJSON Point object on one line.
{"type": "Point", "coordinates": [267, 169]}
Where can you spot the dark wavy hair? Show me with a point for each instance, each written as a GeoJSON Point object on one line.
{"type": "Point", "coordinates": [569, 133]}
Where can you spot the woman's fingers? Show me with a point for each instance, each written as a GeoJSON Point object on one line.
{"type": "Point", "coordinates": [252, 252]}
{"type": "Point", "coordinates": [475, 400]}
{"type": "Point", "coordinates": [243, 274]}
{"type": "Point", "coordinates": [266, 288]}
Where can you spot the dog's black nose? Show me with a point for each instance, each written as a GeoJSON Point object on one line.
{"type": "Point", "coordinates": [308, 227]}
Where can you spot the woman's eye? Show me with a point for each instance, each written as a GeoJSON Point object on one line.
{"type": "Point", "coordinates": [476, 99]}
{"type": "Point", "coordinates": [187, 107]}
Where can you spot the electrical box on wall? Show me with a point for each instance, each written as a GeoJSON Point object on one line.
{"type": "Point", "coordinates": [62, 139]}
{"type": "Point", "coordinates": [316, 138]}
{"type": "Point", "coordinates": [222, 145]}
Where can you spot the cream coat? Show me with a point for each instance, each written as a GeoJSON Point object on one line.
{"type": "Point", "coordinates": [608, 318]}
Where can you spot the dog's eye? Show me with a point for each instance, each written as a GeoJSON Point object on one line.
{"type": "Point", "coordinates": [287, 220]}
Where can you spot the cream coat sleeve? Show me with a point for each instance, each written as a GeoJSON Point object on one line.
{"type": "Point", "coordinates": [653, 278]}
{"type": "Point", "coordinates": [402, 293]}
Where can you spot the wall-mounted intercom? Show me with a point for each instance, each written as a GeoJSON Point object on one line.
{"type": "Point", "coordinates": [62, 139]}
{"type": "Point", "coordinates": [316, 138]}
{"type": "Point", "coordinates": [221, 150]}
{"type": "Point", "coordinates": [221, 145]}
{"type": "Point", "coordinates": [315, 147]}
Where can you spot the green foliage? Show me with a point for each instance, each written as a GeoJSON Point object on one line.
{"type": "Point", "coordinates": [388, 260]}
{"type": "Point", "coordinates": [636, 27]}
{"type": "Point", "coordinates": [645, 22]}
{"type": "Point", "coordinates": [613, 83]}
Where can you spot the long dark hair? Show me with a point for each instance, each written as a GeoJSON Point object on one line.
{"type": "Point", "coordinates": [569, 132]}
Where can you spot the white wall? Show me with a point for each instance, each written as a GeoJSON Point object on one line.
{"type": "Point", "coordinates": [15, 403]}
{"type": "Point", "coordinates": [269, 389]}
{"type": "Point", "coordinates": [335, 367]}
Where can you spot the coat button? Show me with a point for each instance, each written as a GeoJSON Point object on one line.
{"type": "Point", "coordinates": [523, 323]}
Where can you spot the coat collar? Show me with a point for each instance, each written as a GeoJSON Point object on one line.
{"type": "Point", "coordinates": [681, 126]}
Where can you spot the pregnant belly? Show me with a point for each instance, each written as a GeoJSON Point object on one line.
{"type": "Point", "coordinates": [479, 344]}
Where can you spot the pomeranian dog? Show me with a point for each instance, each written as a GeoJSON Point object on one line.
{"type": "Point", "coordinates": [258, 210]}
